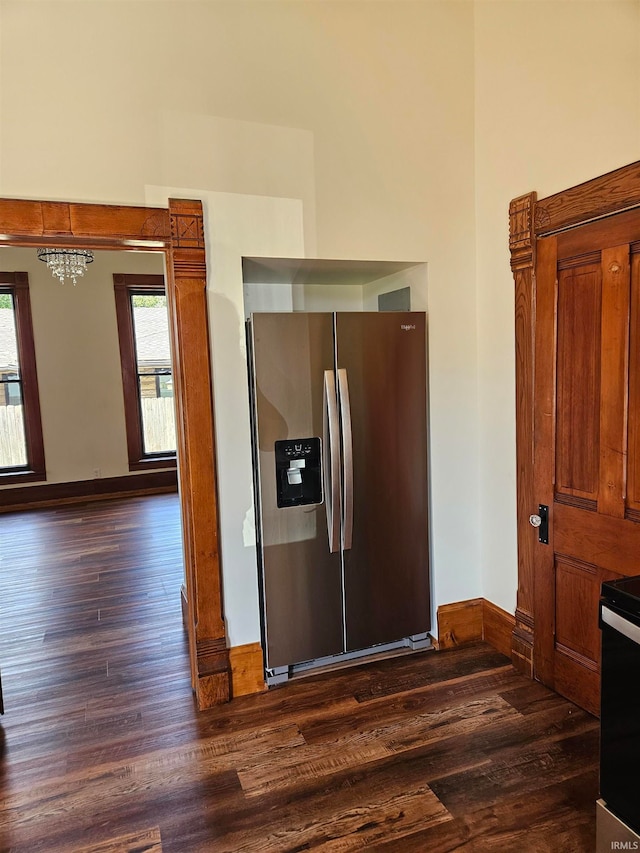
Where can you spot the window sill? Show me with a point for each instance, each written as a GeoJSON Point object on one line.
{"type": "Point", "coordinates": [11, 477]}
{"type": "Point", "coordinates": [154, 462]}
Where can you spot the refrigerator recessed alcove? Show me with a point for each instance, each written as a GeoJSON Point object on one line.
{"type": "Point", "coordinates": [313, 284]}
{"type": "Point", "coordinates": [338, 390]}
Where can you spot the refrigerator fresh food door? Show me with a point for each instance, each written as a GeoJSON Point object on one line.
{"type": "Point", "coordinates": [300, 577]}
{"type": "Point", "coordinates": [382, 357]}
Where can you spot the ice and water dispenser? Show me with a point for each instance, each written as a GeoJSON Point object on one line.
{"type": "Point", "coordinates": [298, 472]}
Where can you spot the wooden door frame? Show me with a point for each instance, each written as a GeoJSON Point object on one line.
{"type": "Point", "coordinates": [178, 232]}
{"type": "Point", "coordinates": [531, 219]}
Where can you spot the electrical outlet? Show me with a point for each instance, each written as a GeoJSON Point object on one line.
{"type": "Point", "coordinates": [97, 473]}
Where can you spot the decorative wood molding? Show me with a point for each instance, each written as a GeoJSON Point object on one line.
{"type": "Point", "coordinates": [80, 491]}
{"type": "Point", "coordinates": [522, 641]}
{"type": "Point", "coordinates": [524, 619]}
{"type": "Point", "coordinates": [521, 243]}
{"type": "Point", "coordinates": [607, 194]}
{"type": "Point", "coordinates": [187, 226]}
{"type": "Point", "coordinates": [530, 219]}
{"type": "Point", "coordinates": [213, 656]}
{"type": "Point", "coordinates": [522, 650]}
{"type": "Point", "coordinates": [464, 622]}
{"type": "Point", "coordinates": [247, 669]}
{"type": "Point", "coordinates": [27, 222]}
{"type": "Point", "coordinates": [179, 233]}
{"type": "Point", "coordinates": [523, 251]}
{"type": "Point", "coordinates": [196, 452]}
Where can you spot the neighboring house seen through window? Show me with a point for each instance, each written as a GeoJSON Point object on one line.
{"type": "Point", "coordinates": [21, 444]}
{"type": "Point", "coordinates": [147, 378]}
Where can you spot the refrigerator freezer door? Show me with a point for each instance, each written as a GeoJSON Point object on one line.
{"type": "Point", "coordinates": [386, 570]}
{"type": "Point", "coordinates": [300, 579]}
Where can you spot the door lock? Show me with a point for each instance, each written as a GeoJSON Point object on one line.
{"type": "Point", "coordinates": [541, 521]}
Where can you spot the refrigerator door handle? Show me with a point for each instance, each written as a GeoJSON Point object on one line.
{"type": "Point", "coordinates": [347, 458]}
{"type": "Point", "coordinates": [331, 460]}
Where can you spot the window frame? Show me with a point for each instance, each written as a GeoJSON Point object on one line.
{"type": "Point", "coordinates": [17, 284]}
{"type": "Point", "coordinates": [124, 286]}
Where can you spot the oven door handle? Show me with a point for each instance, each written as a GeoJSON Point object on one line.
{"type": "Point", "coordinates": [620, 624]}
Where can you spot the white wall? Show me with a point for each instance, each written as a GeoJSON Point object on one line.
{"type": "Point", "coordinates": [399, 130]}
{"type": "Point", "coordinates": [415, 278]}
{"type": "Point", "coordinates": [271, 296]}
{"type": "Point", "coordinates": [361, 113]}
{"type": "Point", "coordinates": [557, 103]}
{"type": "Point", "coordinates": [240, 225]}
{"type": "Point", "coordinates": [78, 362]}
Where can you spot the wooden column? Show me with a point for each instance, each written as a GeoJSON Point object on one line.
{"type": "Point", "coordinates": [202, 596]}
{"type": "Point", "coordinates": [522, 248]}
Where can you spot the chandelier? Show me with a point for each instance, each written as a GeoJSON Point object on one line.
{"type": "Point", "coordinates": [66, 263]}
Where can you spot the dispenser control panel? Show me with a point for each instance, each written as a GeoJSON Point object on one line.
{"type": "Point", "coordinates": [298, 472]}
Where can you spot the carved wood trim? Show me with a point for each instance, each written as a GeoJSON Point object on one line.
{"type": "Point", "coordinates": [580, 260]}
{"type": "Point", "coordinates": [196, 452]}
{"type": "Point", "coordinates": [574, 500]}
{"type": "Point", "coordinates": [27, 222]}
{"type": "Point", "coordinates": [523, 250]}
{"type": "Point", "coordinates": [522, 650]}
{"type": "Point", "coordinates": [529, 220]}
{"type": "Point", "coordinates": [187, 226]}
{"type": "Point", "coordinates": [572, 654]}
{"type": "Point", "coordinates": [602, 196]}
{"type": "Point", "coordinates": [179, 233]}
{"type": "Point", "coordinates": [521, 243]}
{"type": "Point", "coordinates": [524, 619]}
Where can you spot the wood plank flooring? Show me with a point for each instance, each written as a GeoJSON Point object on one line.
{"type": "Point", "coordinates": [102, 750]}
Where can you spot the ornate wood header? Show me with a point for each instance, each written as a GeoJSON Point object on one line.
{"type": "Point", "coordinates": [608, 194]}
{"type": "Point", "coordinates": [521, 242]}
{"type": "Point", "coordinates": [105, 225]}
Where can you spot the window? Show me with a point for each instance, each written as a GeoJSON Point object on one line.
{"type": "Point", "coordinates": [21, 444]}
{"type": "Point", "coordinates": [147, 378]}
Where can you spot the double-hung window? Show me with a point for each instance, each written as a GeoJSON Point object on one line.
{"type": "Point", "coordinates": [21, 443]}
{"type": "Point", "coordinates": [147, 376]}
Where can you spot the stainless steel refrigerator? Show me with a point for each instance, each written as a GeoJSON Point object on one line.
{"type": "Point", "coordinates": [339, 415]}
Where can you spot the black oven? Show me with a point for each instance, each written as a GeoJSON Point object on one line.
{"type": "Point", "coordinates": [620, 701]}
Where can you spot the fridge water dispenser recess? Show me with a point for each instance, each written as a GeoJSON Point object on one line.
{"type": "Point", "coordinates": [298, 472]}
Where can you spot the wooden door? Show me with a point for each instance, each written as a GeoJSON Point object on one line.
{"type": "Point", "coordinates": [586, 441]}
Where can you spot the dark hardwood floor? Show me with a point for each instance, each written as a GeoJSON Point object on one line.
{"type": "Point", "coordinates": [102, 750]}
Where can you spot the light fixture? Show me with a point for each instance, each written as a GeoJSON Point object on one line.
{"type": "Point", "coordinates": [66, 263]}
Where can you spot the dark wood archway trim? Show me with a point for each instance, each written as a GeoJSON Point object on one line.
{"type": "Point", "coordinates": [522, 248]}
{"type": "Point", "coordinates": [177, 232]}
{"type": "Point", "coordinates": [529, 220]}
